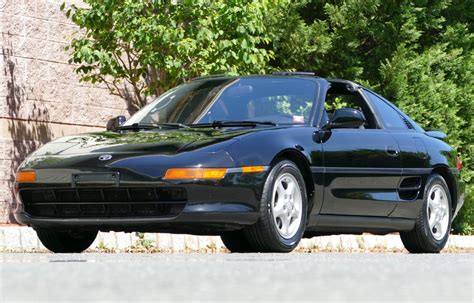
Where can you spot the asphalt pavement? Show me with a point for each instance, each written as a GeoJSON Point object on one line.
{"type": "Point", "coordinates": [236, 277]}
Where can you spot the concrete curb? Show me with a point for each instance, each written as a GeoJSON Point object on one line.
{"type": "Point", "coordinates": [24, 239]}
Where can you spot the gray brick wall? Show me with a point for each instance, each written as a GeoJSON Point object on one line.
{"type": "Point", "coordinates": [41, 97]}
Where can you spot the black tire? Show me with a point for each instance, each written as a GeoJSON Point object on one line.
{"type": "Point", "coordinates": [263, 236]}
{"type": "Point", "coordinates": [66, 241]}
{"type": "Point", "coordinates": [236, 242]}
{"type": "Point", "coordinates": [421, 239]}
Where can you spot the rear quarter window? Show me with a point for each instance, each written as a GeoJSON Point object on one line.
{"type": "Point", "coordinates": [391, 119]}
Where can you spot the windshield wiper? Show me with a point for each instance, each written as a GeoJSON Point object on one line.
{"type": "Point", "coordinates": [174, 125]}
{"type": "Point", "coordinates": [232, 123]}
{"type": "Point", "coordinates": [137, 126]}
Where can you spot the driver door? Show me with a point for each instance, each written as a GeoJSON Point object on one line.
{"type": "Point", "coordinates": [362, 167]}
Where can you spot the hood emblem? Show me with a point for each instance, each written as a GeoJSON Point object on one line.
{"type": "Point", "coordinates": [105, 157]}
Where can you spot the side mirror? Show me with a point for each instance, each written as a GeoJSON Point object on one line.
{"type": "Point", "coordinates": [114, 123]}
{"type": "Point", "coordinates": [346, 118]}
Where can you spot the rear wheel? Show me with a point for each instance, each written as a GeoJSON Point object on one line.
{"type": "Point", "coordinates": [66, 241]}
{"type": "Point", "coordinates": [433, 224]}
{"type": "Point", "coordinates": [283, 211]}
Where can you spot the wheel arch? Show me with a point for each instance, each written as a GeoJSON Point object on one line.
{"type": "Point", "coordinates": [304, 166]}
{"type": "Point", "coordinates": [448, 177]}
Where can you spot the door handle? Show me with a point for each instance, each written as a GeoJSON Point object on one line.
{"type": "Point", "coordinates": [392, 151]}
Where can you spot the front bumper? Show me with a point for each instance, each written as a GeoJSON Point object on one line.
{"type": "Point", "coordinates": [208, 207]}
{"type": "Point", "coordinates": [209, 218]}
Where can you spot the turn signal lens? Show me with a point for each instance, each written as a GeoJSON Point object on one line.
{"type": "Point", "coordinates": [26, 176]}
{"type": "Point", "coordinates": [210, 173]}
{"type": "Point", "coordinates": [253, 169]}
{"type": "Point", "coordinates": [195, 173]}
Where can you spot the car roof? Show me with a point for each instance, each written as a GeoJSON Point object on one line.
{"type": "Point", "coordinates": [351, 85]}
{"type": "Point", "coordinates": [309, 75]}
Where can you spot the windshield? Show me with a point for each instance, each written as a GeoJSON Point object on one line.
{"type": "Point", "coordinates": [279, 100]}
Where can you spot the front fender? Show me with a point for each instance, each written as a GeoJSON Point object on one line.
{"type": "Point", "coordinates": [261, 148]}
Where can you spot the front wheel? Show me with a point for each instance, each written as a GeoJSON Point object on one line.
{"type": "Point", "coordinates": [283, 211]}
{"type": "Point", "coordinates": [236, 241]}
{"type": "Point", "coordinates": [66, 241]}
{"type": "Point", "coordinates": [433, 223]}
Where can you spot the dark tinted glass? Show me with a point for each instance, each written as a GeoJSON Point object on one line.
{"type": "Point", "coordinates": [280, 100]}
{"type": "Point", "coordinates": [391, 118]}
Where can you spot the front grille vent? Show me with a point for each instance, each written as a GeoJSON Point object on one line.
{"type": "Point", "coordinates": [103, 202]}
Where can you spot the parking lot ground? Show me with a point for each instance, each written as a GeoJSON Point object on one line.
{"type": "Point", "coordinates": [368, 277]}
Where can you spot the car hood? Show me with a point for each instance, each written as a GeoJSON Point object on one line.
{"type": "Point", "coordinates": [146, 153]}
{"type": "Point", "coordinates": [165, 142]}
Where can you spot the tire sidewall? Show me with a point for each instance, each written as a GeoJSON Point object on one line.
{"type": "Point", "coordinates": [432, 181]}
{"type": "Point", "coordinates": [280, 168]}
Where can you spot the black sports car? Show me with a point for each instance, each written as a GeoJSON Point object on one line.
{"type": "Point", "coordinates": [261, 161]}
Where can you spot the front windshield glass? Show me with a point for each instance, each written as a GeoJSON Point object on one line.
{"type": "Point", "coordinates": [279, 100]}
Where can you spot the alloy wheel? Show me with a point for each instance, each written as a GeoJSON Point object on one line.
{"type": "Point", "coordinates": [286, 205]}
{"type": "Point", "coordinates": [438, 212]}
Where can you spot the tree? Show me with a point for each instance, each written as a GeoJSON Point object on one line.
{"type": "Point", "coordinates": [152, 46]}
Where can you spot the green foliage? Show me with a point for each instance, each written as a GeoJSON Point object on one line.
{"type": "Point", "coordinates": [337, 103]}
{"type": "Point", "coordinates": [419, 54]}
{"type": "Point", "coordinates": [300, 108]}
{"type": "Point", "coordinates": [155, 45]}
{"type": "Point", "coordinates": [143, 243]}
{"type": "Point", "coordinates": [284, 106]}
{"type": "Point", "coordinates": [464, 221]}
{"type": "Point", "coordinates": [102, 247]}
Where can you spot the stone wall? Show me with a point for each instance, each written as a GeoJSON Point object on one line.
{"type": "Point", "coordinates": [41, 97]}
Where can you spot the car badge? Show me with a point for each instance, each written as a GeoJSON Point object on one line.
{"type": "Point", "coordinates": [105, 157]}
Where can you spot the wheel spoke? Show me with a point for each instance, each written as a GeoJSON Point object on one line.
{"type": "Point", "coordinates": [278, 209]}
{"type": "Point", "coordinates": [295, 213]}
{"type": "Point", "coordinates": [280, 190]}
{"type": "Point", "coordinates": [442, 213]}
{"type": "Point", "coordinates": [437, 197]}
{"type": "Point", "coordinates": [290, 188]}
{"type": "Point", "coordinates": [432, 219]}
{"type": "Point", "coordinates": [285, 224]}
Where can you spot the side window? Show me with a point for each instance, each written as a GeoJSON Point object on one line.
{"type": "Point", "coordinates": [339, 96]}
{"type": "Point", "coordinates": [390, 117]}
